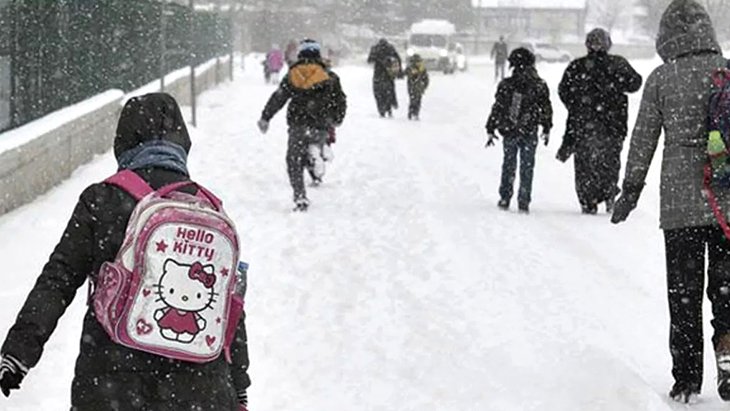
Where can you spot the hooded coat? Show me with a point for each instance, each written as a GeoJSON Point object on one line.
{"type": "Point", "coordinates": [109, 376]}
{"type": "Point", "coordinates": [675, 100]}
{"type": "Point", "coordinates": [382, 55]}
{"type": "Point", "coordinates": [317, 99]}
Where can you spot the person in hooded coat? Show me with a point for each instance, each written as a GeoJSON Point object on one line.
{"type": "Point", "coordinates": [522, 105]}
{"type": "Point", "coordinates": [418, 81]}
{"type": "Point", "coordinates": [675, 101]}
{"type": "Point", "coordinates": [151, 140]}
{"type": "Point", "coordinates": [387, 67]}
{"type": "Point", "coordinates": [318, 105]}
{"type": "Point", "coordinates": [593, 90]}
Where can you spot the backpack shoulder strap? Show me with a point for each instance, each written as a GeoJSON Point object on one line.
{"type": "Point", "coordinates": [130, 182]}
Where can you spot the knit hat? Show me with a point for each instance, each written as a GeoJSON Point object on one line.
{"type": "Point", "coordinates": [309, 49]}
{"type": "Point", "coordinates": [521, 58]}
{"type": "Point", "coordinates": [598, 40]}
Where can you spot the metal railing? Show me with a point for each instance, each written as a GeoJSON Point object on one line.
{"type": "Point", "coordinates": [54, 53]}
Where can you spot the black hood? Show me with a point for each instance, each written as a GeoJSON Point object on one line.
{"type": "Point", "coordinates": [685, 29]}
{"type": "Point", "coordinates": [154, 116]}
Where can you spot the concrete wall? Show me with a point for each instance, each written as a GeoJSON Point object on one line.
{"type": "Point", "coordinates": [38, 156]}
{"type": "Point", "coordinates": [32, 168]}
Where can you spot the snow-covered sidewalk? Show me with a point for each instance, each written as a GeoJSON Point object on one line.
{"type": "Point", "coordinates": [404, 287]}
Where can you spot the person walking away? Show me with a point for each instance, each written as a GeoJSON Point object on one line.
{"type": "Point", "coordinates": [291, 52]}
{"type": "Point", "coordinates": [594, 89]}
{"type": "Point", "coordinates": [417, 84]}
{"type": "Point", "coordinates": [274, 63]}
{"type": "Point", "coordinates": [387, 67]}
{"type": "Point", "coordinates": [522, 104]}
{"type": "Point", "coordinates": [675, 100]}
{"type": "Point", "coordinates": [499, 55]}
{"type": "Point", "coordinates": [318, 105]}
{"type": "Point", "coordinates": [151, 145]}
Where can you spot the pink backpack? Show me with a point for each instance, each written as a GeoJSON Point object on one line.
{"type": "Point", "coordinates": [171, 290]}
{"type": "Point", "coordinates": [275, 60]}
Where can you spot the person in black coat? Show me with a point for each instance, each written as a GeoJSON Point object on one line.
{"type": "Point", "coordinates": [318, 105]}
{"type": "Point", "coordinates": [151, 140]}
{"type": "Point", "coordinates": [593, 90]}
{"type": "Point", "coordinates": [522, 104]}
{"type": "Point", "coordinates": [387, 67]}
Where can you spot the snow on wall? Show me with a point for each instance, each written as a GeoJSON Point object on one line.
{"type": "Point", "coordinates": [41, 154]}
{"type": "Point", "coordinates": [17, 137]}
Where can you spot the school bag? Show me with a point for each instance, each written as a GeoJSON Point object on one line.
{"type": "Point", "coordinates": [717, 169]}
{"type": "Point", "coordinates": [393, 67]}
{"type": "Point", "coordinates": [171, 290]}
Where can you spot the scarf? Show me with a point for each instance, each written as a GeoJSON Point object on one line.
{"type": "Point", "coordinates": [155, 153]}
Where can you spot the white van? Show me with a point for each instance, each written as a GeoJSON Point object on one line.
{"type": "Point", "coordinates": [433, 41]}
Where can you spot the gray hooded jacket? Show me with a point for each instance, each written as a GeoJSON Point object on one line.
{"type": "Point", "coordinates": [675, 101]}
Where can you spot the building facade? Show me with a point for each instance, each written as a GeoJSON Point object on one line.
{"type": "Point", "coordinates": [553, 20]}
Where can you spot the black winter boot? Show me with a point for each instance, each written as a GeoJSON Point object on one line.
{"type": "Point", "coordinates": [301, 204]}
{"type": "Point", "coordinates": [722, 357]}
{"type": "Point", "coordinates": [503, 204]}
{"type": "Point", "coordinates": [589, 209]}
{"type": "Point", "coordinates": [684, 393]}
{"type": "Point", "coordinates": [524, 208]}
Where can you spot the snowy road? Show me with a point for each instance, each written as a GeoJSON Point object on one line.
{"type": "Point", "coordinates": [404, 287]}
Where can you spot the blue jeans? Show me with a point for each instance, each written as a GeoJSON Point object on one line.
{"type": "Point", "coordinates": [525, 146]}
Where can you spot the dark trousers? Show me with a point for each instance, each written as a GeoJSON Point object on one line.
{"type": "Point", "coordinates": [685, 253]}
{"type": "Point", "coordinates": [525, 146]}
{"type": "Point", "coordinates": [298, 155]}
{"type": "Point", "coordinates": [414, 108]}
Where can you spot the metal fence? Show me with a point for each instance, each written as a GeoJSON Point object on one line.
{"type": "Point", "coordinates": [57, 52]}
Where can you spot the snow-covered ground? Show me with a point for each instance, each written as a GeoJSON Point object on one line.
{"type": "Point", "coordinates": [404, 288]}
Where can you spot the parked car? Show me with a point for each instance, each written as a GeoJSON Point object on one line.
{"type": "Point", "coordinates": [548, 53]}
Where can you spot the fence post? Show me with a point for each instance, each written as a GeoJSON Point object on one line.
{"type": "Point", "coordinates": [193, 95]}
{"type": "Point", "coordinates": [163, 46]}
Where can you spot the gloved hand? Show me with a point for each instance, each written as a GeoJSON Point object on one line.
{"type": "Point", "coordinates": [626, 203]}
{"type": "Point", "coordinates": [490, 139]}
{"type": "Point", "coordinates": [331, 135]}
{"type": "Point", "coordinates": [12, 372]}
{"type": "Point", "coordinates": [242, 401]}
{"type": "Point", "coordinates": [263, 126]}
{"type": "Point", "coordinates": [545, 137]}
{"type": "Point", "coordinates": [563, 154]}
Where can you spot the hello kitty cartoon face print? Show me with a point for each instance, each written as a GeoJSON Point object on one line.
{"type": "Point", "coordinates": [186, 291]}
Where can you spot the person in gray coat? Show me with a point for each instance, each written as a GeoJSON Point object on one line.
{"type": "Point", "coordinates": [675, 101]}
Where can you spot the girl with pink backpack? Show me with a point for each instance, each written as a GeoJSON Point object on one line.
{"type": "Point", "coordinates": [273, 65]}
{"type": "Point", "coordinates": [164, 329]}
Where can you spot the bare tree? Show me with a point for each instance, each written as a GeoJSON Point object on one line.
{"type": "Point", "coordinates": [608, 13]}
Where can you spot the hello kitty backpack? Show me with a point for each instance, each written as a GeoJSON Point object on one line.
{"type": "Point", "coordinates": [171, 290]}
